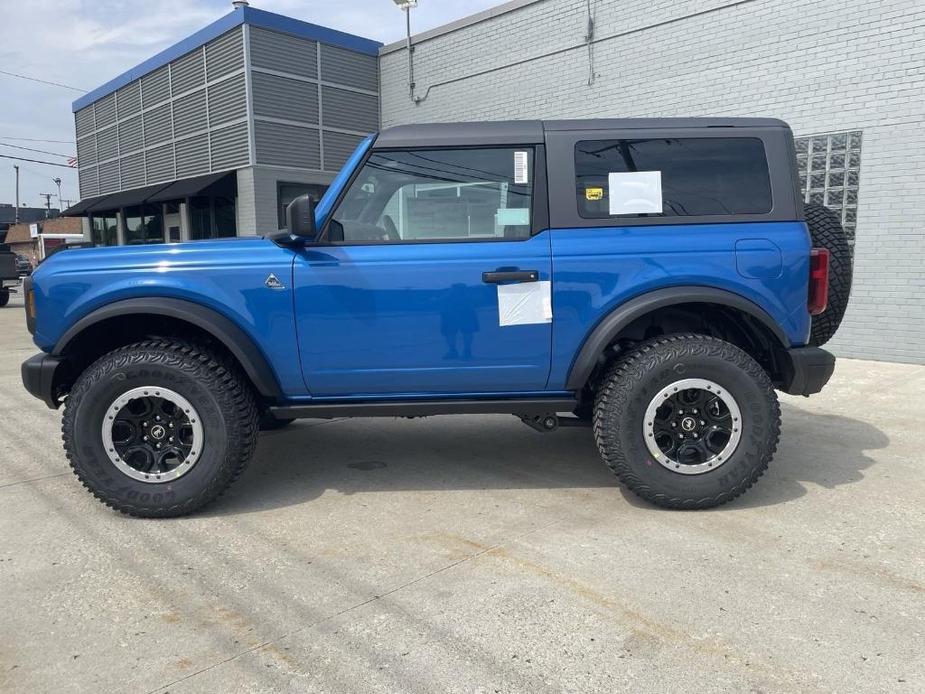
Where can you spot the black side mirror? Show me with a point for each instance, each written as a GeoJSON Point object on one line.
{"type": "Point", "coordinates": [300, 218]}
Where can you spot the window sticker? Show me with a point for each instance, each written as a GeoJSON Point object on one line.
{"type": "Point", "coordinates": [594, 193]}
{"type": "Point", "coordinates": [521, 175]}
{"type": "Point", "coordinates": [635, 192]}
{"type": "Point", "coordinates": [526, 303]}
{"type": "Point", "coordinates": [512, 216]}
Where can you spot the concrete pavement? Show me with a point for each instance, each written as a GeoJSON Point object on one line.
{"type": "Point", "coordinates": [472, 554]}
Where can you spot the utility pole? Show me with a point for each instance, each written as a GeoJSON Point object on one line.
{"type": "Point", "coordinates": [16, 216]}
{"type": "Point", "coordinates": [47, 197]}
{"type": "Point", "coordinates": [57, 181]}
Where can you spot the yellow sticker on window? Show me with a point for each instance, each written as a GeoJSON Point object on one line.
{"type": "Point", "coordinates": [594, 193]}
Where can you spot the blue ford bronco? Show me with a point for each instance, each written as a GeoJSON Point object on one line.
{"type": "Point", "coordinates": [655, 280]}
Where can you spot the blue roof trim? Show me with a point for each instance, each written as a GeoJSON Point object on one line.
{"type": "Point", "coordinates": [243, 15]}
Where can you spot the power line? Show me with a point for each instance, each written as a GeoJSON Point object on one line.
{"type": "Point", "coordinates": [41, 151]}
{"type": "Point", "coordinates": [36, 139]}
{"type": "Point", "coordinates": [35, 161]}
{"type": "Point", "coordinates": [36, 79]}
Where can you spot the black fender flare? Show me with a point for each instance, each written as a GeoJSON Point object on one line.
{"type": "Point", "coordinates": [624, 314]}
{"type": "Point", "coordinates": [239, 343]}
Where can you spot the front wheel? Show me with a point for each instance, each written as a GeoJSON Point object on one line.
{"type": "Point", "coordinates": [159, 428]}
{"type": "Point", "coordinates": [687, 421]}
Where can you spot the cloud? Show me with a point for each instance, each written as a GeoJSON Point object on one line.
{"type": "Point", "coordinates": [85, 43]}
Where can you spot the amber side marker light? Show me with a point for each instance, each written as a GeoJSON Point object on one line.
{"type": "Point", "coordinates": [818, 281]}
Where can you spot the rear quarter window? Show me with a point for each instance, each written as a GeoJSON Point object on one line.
{"type": "Point", "coordinates": [698, 176]}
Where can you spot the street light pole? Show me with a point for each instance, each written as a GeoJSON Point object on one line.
{"type": "Point", "coordinates": [406, 5]}
{"type": "Point", "coordinates": [16, 215]}
{"type": "Point", "coordinates": [57, 181]}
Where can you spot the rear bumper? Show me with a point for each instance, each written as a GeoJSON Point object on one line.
{"type": "Point", "coordinates": [805, 370]}
{"type": "Point", "coordinates": [38, 376]}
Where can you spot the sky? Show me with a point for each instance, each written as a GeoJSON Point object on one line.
{"type": "Point", "coordinates": [84, 43]}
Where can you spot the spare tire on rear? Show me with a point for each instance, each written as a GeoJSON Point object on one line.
{"type": "Point", "coordinates": [826, 231]}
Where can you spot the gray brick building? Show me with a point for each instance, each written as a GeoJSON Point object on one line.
{"type": "Point", "coordinates": [215, 135]}
{"type": "Point", "coordinates": [848, 75]}
{"type": "Point", "coordinates": [222, 130]}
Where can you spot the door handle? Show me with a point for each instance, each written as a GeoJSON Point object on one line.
{"type": "Point", "coordinates": [500, 276]}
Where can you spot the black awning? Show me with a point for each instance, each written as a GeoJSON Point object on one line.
{"type": "Point", "coordinates": [187, 187]}
{"type": "Point", "coordinates": [127, 198]}
{"type": "Point", "coordinates": [80, 209]}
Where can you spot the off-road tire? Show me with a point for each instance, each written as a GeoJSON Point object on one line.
{"type": "Point", "coordinates": [221, 395]}
{"type": "Point", "coordinates": [630, 384]}
{"type": "Point", "coordinates": [4, 297]}
{"type": "Point", "coordinates": [826, 231]}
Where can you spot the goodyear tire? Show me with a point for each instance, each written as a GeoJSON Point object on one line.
{"type": "Point", "coordinates": [4, 297]}
{"type": "Point", "coordinates": [159, 428]}
{"type": "Point", "coordinates": [687, 421]}
{"type": "Point", "coordinates": [826, 231]}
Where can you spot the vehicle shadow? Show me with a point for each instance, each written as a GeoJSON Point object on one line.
{"type": "Point", "coordinates": [351, 456]}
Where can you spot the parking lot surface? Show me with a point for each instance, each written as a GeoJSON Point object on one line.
{"type": "Point", "coordinates": [472, 554]}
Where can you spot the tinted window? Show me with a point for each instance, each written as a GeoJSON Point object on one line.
{"type": "Point", "coordinates": [143, 224]}
{"type": "Point", "coordinates": [435, 195]}
{"type": "Point", "coordinates": [699, 176]}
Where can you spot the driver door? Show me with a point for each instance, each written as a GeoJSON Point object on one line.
{"type": "Point", "coordinates": [402, 295]}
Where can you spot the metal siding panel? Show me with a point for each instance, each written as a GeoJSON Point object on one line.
{"type": "Point", "coordinates": [159, 164]}
{"type": "Point", "coordinates": [337, 148]}
{"type": "Point", "coordinates": [105, 110]}
{"type": "Point", "coordinates": [130, 135]}
{"type": "Point", "coordinates": [227, 100]}
{"type": "Point", "coordinates": [128, 99]}
{"type": "Point", "coordinates": [349, 110]}
{"type": "Point", "coordinates": [133, 171]}
{"type": "Point", "coordinates": [287, 145]}
{"type": "Point", "coordinates": [187, 73]}
{"type": "Point", "coordinates": [155, 87]}
{"type": "Point", "coordinates": [189, 113]}
{"type": "Point", "coordinates": [281, 97]}
{"type": "Point", "coordinates": [349, 67]}
{"type": "Point", "coordinates": [86, 151]}
{"type": "Point", "coordinates": [192, 156]}
{"type": "Point", "coordinates": [275, 51]}
{"type": "Point", "coordinates": [157, 125]}
{"type": "Point", "coordinates": [84, 121]}
{"type": "Point", "coordinates": [230, 147]}
{"type": "Point", "coordinates": [107, 144]}
{"type": "Point", "coordinates": [89, 185]}
{"type": "Point", "coordinates": [109, 177]}
{"type": "Point", "coordinates": [225, 54]}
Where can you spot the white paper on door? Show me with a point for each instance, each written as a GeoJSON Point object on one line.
{"type": "Point", "coordinates": [525, 303]}
{"type": "Point", "coordinates": [635, 192]}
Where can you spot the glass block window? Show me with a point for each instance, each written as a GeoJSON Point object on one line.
{"type": "Point", "coordinates": [830, 173]}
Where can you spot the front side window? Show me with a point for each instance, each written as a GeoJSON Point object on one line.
{"type": "Point", "coordinates": [672, 177]}
{"type": "Point", "coordinates": [438, 195]}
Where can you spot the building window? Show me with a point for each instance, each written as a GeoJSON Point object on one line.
{"type": "Point", "coordinates": [830, 170]}
{"type": "Point", "coordinates": [212, 217]}
{"type": "Point", "coordinates": [287, 192]}
{"type": "Point", "coordinates": [697, 176]}
{"type": "Point", "coordinates": [143, 224]}
{"type": "Point", "coordinates": [104, 230]}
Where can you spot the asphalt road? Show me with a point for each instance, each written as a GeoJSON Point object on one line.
{"type": "Point", "coordinates": [472, 554]}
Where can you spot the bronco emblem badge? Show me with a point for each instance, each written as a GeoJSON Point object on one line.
{"type": "Point", "coordinates": [273, 282]}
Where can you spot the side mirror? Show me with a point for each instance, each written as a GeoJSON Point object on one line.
{"type": "Point", "coordinates": [300, 218]}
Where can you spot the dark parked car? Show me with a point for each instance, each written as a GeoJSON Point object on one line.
{"type": "Point", "coordinates": [23, 265]}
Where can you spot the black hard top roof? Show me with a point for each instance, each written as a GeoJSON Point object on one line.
{"type": "Point", "coordinates": [524, 132]}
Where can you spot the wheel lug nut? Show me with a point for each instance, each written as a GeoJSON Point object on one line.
{"type": "Point", "coordinates": [674, 425]}
{"type": "Point", "coordinates": [144, 438]}
{"type": "Point", "coordinates": [694, 435]}
{"type": "Point", "coordinates": [680, 411]}
{"type": "Point", "coordinates": [702, 422]}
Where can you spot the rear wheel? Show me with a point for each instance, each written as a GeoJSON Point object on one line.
{"type": "Point", "coordinates": [159, 428]}
{"type": "Point", "coordinates": [687, 421]}
{"type": "Point", "coordinates": [826, 231]}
